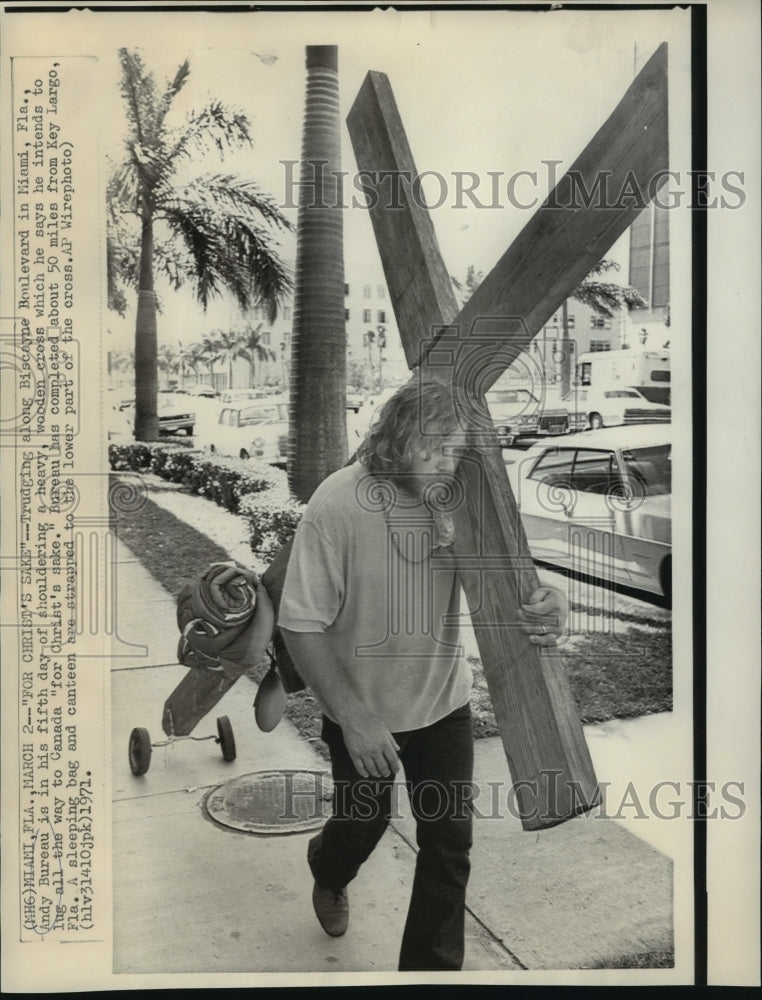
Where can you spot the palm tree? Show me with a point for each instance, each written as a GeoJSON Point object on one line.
{"type": "Point", "coordinates": [604, 298]}
{"type": "Point", "coordinates": [210, 347]}
{"type": "Point", "coordinates": [258, 352]}
{"type": "Point", "coordinates": [214, 231]}
{"type": "Point", "coordinates": [123, 361]}
{"type": "Point", "coordinates": [166, 360]}
{"type": "Point", "coordinates": [317, 424]}
{"type": "Point", "coordinates": [231, 345]}
{"type": "Point", "coordinates": [194, 356]}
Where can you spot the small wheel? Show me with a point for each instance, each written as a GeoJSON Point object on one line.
{"type": "Point", "coordinates": [139, 751]}
{"type": "Point", "coordinates": [596, 421]}
{"type": "Point", "coordinates": [243, 453]}
{"type": "Point", "coordinates": [226, 740]}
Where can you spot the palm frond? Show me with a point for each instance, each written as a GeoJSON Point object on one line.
{"type": "Point", "coordinates": [606, 299]}
{"type": "Point", "coordinates": [138, 88]}
{"type": "Point", "coordinates": [227, 193]}
{"type": "Point", "coordinates": [221, 227]}
{"type": "Point", "coordinates": [177, 83]}
{"type": "Point", "coordinates": [217, 127]}
{"type": "Point", "coordinates": [122, 193]}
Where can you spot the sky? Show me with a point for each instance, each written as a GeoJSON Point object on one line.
{"type": "Point", "coordinates": [489, 92]}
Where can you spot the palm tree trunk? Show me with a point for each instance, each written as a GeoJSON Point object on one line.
{"type": "Point", "coordinates": [317, 423]}
{"type": "Point", "coordinates": [146, 418]}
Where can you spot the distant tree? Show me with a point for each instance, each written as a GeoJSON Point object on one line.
{"type": "Point", "coordinates": [215, 232]}
{"type": "Point", "coordinates": [166, 360]}
{"type": "Point", "coordinates": [470, 283]}
{"type": "Point", "coordinates": [231, 345]}
{"type": "Point", "coordinates": [258, 351]}
{"type": "Point", "coordinates": [603, 297]}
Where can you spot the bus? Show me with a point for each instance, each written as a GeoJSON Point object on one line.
{"type": "Point", "coordinates": [646, 371]}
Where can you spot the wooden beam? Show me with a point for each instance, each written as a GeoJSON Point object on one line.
{"type": "Point", "coordinates": [416, 277]}
{"type": "Point", "coordinates": [538, 721]}
{"type": "Point", "coordinates": [598, 198]}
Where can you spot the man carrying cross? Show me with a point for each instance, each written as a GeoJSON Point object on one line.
{"type": "Point", "coordinates": [370, 614]}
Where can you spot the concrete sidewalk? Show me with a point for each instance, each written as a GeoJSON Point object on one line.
{"type": "Point", "coordinates": [192, 896]}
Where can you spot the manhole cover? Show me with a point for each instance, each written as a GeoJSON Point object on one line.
{"type": "Point", "coordinates": [273, 801]}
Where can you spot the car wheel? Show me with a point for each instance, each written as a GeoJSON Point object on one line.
{"type": "Point", "coordinates": [243, 453]}
{"type": "Point", "coordinates": [665, 579]}
{"type": "Point", "coordinates": [595, 421]}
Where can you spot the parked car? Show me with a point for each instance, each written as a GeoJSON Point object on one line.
{"type": "Point", "coordinates": [206, 391]}
{"type": "Point", "coordinates": [620, 405]}
{"type": "Point", "coordinates": [173, 418]}
{"type": "Point", "coordinates": [518, 414]}
{"type": "Point", "coordinates": [354, 400]}
{"type": "Point", "coordinates": [254, 430]}
{"type": "Point", "coordinates": [598, 503]}
{"type": "Point", "coordinates": [239, 396]}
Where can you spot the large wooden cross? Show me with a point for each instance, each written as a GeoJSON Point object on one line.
{"type": "Point", "coordinates": [538, 721]}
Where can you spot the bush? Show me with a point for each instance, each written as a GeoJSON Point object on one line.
{"type": "Point", "coordinates": [273, 519]}
{"type": "Point", "coordinates": [257, 492]}
{"type": "Point", "coordinates": [225, 480]}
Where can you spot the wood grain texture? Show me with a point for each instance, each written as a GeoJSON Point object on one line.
{"type": "Point", "coordinates": [617, 174]}
{"type": "Point", "coordinates": [195, 696]}
{"type": "Point", "coordinates": [418, 282]}
{"type": "Point", "coordinates": [539, 724]}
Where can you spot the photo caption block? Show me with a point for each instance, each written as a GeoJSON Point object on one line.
{"type": "Point", "coordinates": [55, 448]}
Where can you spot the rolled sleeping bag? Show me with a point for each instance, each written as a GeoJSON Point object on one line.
{"type": "Point", "coordinates": [213, 624]}
{"type": "Point", "coordinates": [228, 628]}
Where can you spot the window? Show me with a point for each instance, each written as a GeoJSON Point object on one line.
{"type": "Point", "coordinates": [599, 345]}
{"type": "Point", "coordinates": [346, 314]}
{"type": "Point", "coordinates": [346, 289]}
{"type": "Point", "coordinates": [381, 291]}
{"type": "Point", "coordinates": [381, 315]}
{"type": "Point", "coordinates": [570, 321]}
{"type": "Point", "coordinates": [266, 339]}
{"type": "Point", "coordinates": [596, 472]}
{"type": "Point", "coordinates": [651, 469]}
{"type": "Point", "coordinates": [366, 291]}
{"type": "Point", "coordinates": [554, 467]}
{"type": "Point", "coordinates": [366, 315]}
{"type": "Point", "coordinates": [659, 375]}
{"type": "Point", "coordinates": [286, 312]}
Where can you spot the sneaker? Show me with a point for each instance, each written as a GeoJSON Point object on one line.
{"type": "Point", "coordinates": [331, 909]}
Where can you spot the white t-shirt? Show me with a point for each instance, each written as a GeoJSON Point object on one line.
{"type": "Point", "coordinates": [364, 570]}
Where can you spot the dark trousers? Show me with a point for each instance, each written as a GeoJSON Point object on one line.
{"type": "Point", "coordinates": [438, 763]}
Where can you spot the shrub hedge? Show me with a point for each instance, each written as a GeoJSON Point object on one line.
{"type": "Point", "coordinates": [257, 492]}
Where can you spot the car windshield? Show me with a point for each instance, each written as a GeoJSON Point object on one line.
{"type": "Point", "coordinates": [651, 468]}
{"type": "Point", "coordinates": [622, 394]}
{"type": "Point", "coordinates": [261, 414]}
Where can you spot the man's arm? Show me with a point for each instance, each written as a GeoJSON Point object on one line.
{"type": "Point", "coordinates": [370, 744]}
